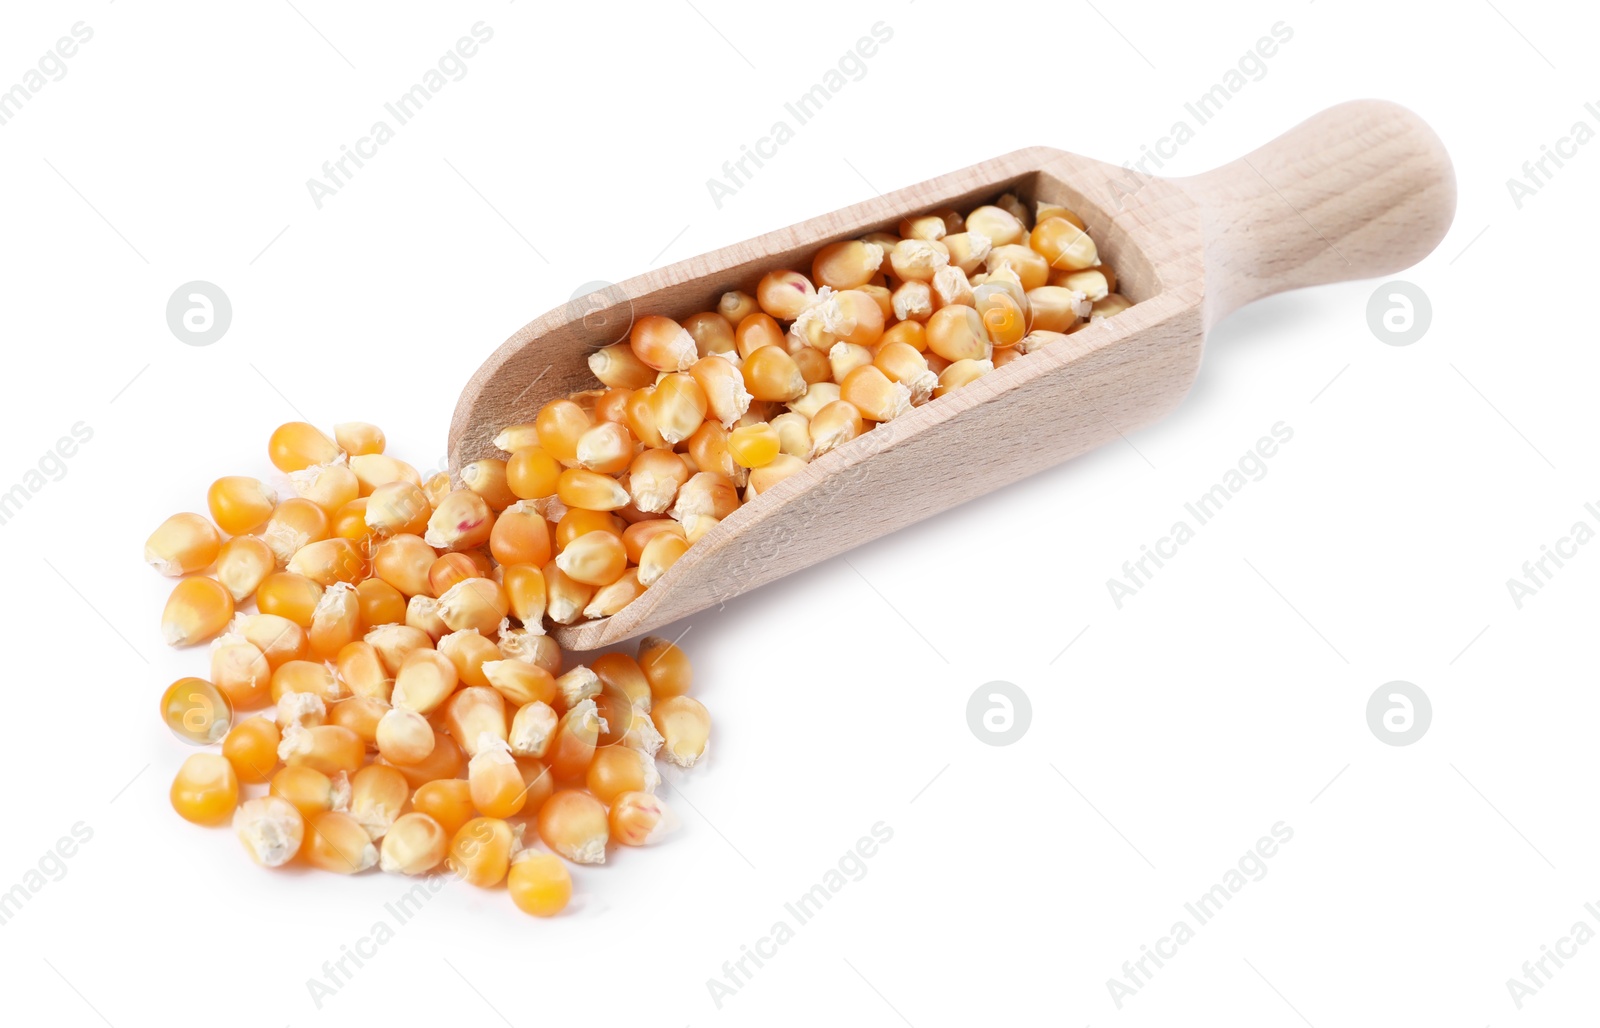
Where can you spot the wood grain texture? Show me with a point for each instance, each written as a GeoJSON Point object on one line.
{"type": "Point", "coordinates": [1362, 189]}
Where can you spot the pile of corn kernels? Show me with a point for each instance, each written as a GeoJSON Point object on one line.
{"type": "Point", "coordinates": [690, 413]}
{"type": "Point", "coordinates": [413, 728]}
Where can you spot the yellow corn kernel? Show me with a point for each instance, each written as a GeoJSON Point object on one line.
{"type": "Point", "coordinates": [637, 818]}
{"type": "Point", "coordinates": [299, 710]}
{"type": "Point", "coordinates": [968, 250]}
{"type": "Point", "coordinates": [329, 486]}
{"type": "Point", "coordinates": [539, 884]}
{"type": "Point", "coordinates": [476, 716]}
{"type": "Point", "coordinates": [606, 448]}
{"type": "Point", "coordinates": [532, 729]}
{"type": "Point", "coordinates": [638, 535]}
{"type": "Point", "coordinates": [461, 521]}
{"type": "Point", "coordinates": [360, 714]}
{"type": "Point", "coordinates": [403, 562]}
{"type": "Point", "coordinates": [736, 305]}
{"type": "Point", "coordinates": [816, 397]}
{"type": "Point", "coordinates": [641, 734]}
{"type": "Point", "coordinates": [560, 424]}
{"type": "Point", "coordinates": [1094, 283]}
{"type": "Point", "coordinates": [437, 488]}
{"type": "Point", "coordinates": [612, 405]}
{"type": "Point", "coordinates": [377, 795]}
{"type": "Point", "coordinates": [659, 555]}
{"type": "Point", "coordinates": [911, 333]}
{"type": "Point", "coordinates": [722, 384]}
{"type": "Point", "coordinates": [617, 770]}
{"type": "Point", "coordinates": [477, 603]}
{"type": "Point", "coordinates": [589, 490]}
{"type": "Point", "coordinates": [665, 666]}
{"type": "Point", "coordinates": [326, 748]}
{"type": "Point", "coordinates": [577, 522]}
{"type": "Point", "coordinates": [619, 367]}
{"type": "Point", "coordinates": [423, 612]}
{"type": "Point", "coordinates": [496, 781]}
{"type": "Point", "coordinates": [712, 334]}
{"type": "Point", "coordinates": [707, 494]}
{"type": "Point", "coordinates": [836, 424]}
{"type": "Point", "coordinates": [771, 374]}
{"type": "Point", "coordinates": [197, 609]}
{"type": "Point", "coordinates": [577, 685]}
{"type": "Point", "coordinates": [848, 264]}
{"type": "Point", "coordinates": [182, 544]}
{"type": "Point", "coordinates": [754, 332]}
{"type": "Point", "coordinates": [844, 358]}
{"type": "Point", "coordinates": [621, 675]}
{"type": "Point", "coordinates": [565, 597]}
{"type": "Point", "coordinates": [252, 748]}
{"type": "Point", "coordinates": [469, 651]}
{"type": "Point", "coordinates": [521, 535]}
{"type": "Point", "coordinates": [521, 682]}
{"type": "Point", "coordinates": [196, 711]}
{"type": "Point", "coordinates": [961, 373]}
{"type": "Point", "coordinates": [350, 522]}
{"type": "Point", "coordinates": [415, 844]}
{"type": "Point", "coordinates": [794, 433]}
{"type": "Point", "coordinates": [310, 791]}
{"type": "Point", "coordinates": [1114, 303]}
{"type": "Point", "coordinates": [1055, 308]}
{"type": "Point", "coordinates": [662, 344]}
{"type": "Point", "coordinates": [525, 591]}
{"type": "Point", "coordinates": [537, 784]}
{"type": "Point", "coordinates": [958, 332]}
{"type": "Point", "coordinates": [872, 393]}
{"type": "Point", "coordinates": [240, 504]}
{"type": "Point", "coordinates": [289, 596]}
{"type": "Point", "coordinates": [708, 452]}
{"type": "Point", "coordinates": [206, 790]}
{"type": "Point", "coordinates": [448, 570]}
{"type": "Point", "coordinates": [297, 445]}
{"type": "Point", "coordinates": [336, 621]}
{"type": "Point", "coordinates": [1031, 269]}
{"type": "Point", "coordinates": [425, 680]}
{"type": "Point", "coordinates": [357, 438]}
{"type": "Point", "coordinates": [913, 301]}
{"type": "Point", "coordinates": [915, 260]}
{"type": "Point", "coordinates": [685, 727]}
{"type": "Point", "coordinates": [296, 522]}
{"type": "Point", "coordinates": [641, 421]}
{"type": "Point", "coordinates": [278, 638]}
{"type": "Point", "coordinates": [754, 445]}
{"type": "Point", "coordinates": [610, 598]}
{"type": "Point", "coordinates": [397, 508]}
{"type": "Point", "coordinates": [903, 363]}
{"type": "Point", "coordinates": [404, 736]}
{"type": "Point", "coordinates": [1064, 245]}
{"type": "Point", "coordinates": [487, 477]}
{"type": "Point", "coordinates": [271, 830]}
{"type": "Point", "coordinates": [784, 294]}
{"type": "Point", "coordinates": [533, 474]}
{"type": "Point", "coordinates": [950, 285]}
{"type": "Point", "coordinates": [241, 671]}
{"type": "Point", "coordinates": [572, 746]}
{"type": "Point", "coordinates": [338, 843]}
{"type": "Point", "coordinates": [361, 669]}
{"type": "Point", "coordinates": [445, 761]}
{"type": "Point", "coordinates": [922, 226]}
{"type": "Point", "coordinates": [1004, 319]}
{"type": "Point", "coordinates": [243, 563]}
{"type": "Point", "coordinates": [375, 469]}
{"type": "Point", "coordinates": [1006, 356]}
{"type": "Point", "coordinates": [517, 437]}
{"type": "Point", "coordinates": [813, 365]}
{"type": "Point", "coordinates": [1044, 209]}
{"type": "Point", "coordinates": [448, 801]}
{"type": "Point", "coordinates": [328, 562]}
{"type": "Point", "coordinates": [574, 824]}
{"type": "Point", "coordinates": [381, 603]}
{"type": "Point", "coordinates": [595, 558]}
{"type": "Point", "coordinates": [999, 225]}
{"type": "Point", "coordinates": [480, 851]}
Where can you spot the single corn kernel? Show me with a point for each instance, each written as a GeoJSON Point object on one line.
{"type": "Point", "coordinates": [722, 384]}
{"type": "Point", "coordinates": [329, 486]}
{"type": "Point", "coordinates": [525, 591]}
{"type": "Point", "coordinates": [958, 332]}
{"type": "Point", "coordinates": [487, 478]}
{"type": "Point", "coordinates": [596, 558]}
{"type": "Point", "coordinates": [708, 451]}
{"type": "Point", "coordinates": [358, 437]}
{"type": "Point", "coordinates": [517, 437]}
{"type": "Point", "coordinates": [521, 682]}
{"type": "Point", "coordinates": [299, 710]}
{"type": "Point", "coordinates": [297, 445]}
{"type": "Point", "coordinates": [712, 334]}
{"type": "Point", "coordinates": [415, 844]}
{"type": "Point", "coordinates": [480, 851]}
{"type": "Point", "coordinates": [913, 301]}
{"type": "Point", "coordinates": [380, 603]}
{"type": "Point", "coordinates": [532, 729]}
{"type": "Point", "coordinates": [537, 784]}
{"type": "Point", "coordinates": [849, 264]}
{"type": "Point", "coordinates": [469, 651]}
{"type": "Point", "coordinates": [377, 795]}
{"type": "Point", "coordinates": [610, 598]}
{"type": "Point", "coordinates": [375, 469]}
{"type": "Point", "coordinates": [707, 494]}
{"type": "Point", "coordinates": [278, 638]}
{"type": "Point", "coordinates": [446, 761]}
{"type": "Point", "coordinates": [754, 332]}
{"type": "Point", "coordinates": [565, 596]}
{"type": "Point", "coordinates": [197, 609]}
{"type": "Point", "coordinates": [1005, 320]}
{"type": "Point", "coordinates": [450, 570]}
{"type": "Point", "coordinates": [1114, 303]}
{"type": "Point", "coordinates": [350, 522]}
{"type": "Point", "coordinates": [271, 830]}
{"type": "Point", "coordinates": [950, 285]}
{"type": "Point", "coordinates": [572, 747]}
{"type": "Point", "coordinates": [771, 374]}
{"type": "Point", "coordinates": [870, 392]}
{"type": "Point", "coordinates": [425, 680]}
{"type": "Point", "coordinates": [883, 297]}
{"type": "Point", "coordinates": [243, 563]}
{"type": "Point", "coordinates": [574, 824]}
{"type": "Point", "coordinates": [476, 716]}
{"type": "Point", "coordinates": [923, 226]}
{"type": "Point", "coordinates": [289, 596]}
{"type": "Point", "coordinates": [437, 488]}
{"type": "Point", "coordinates": [1064, 245]}
{"type": "Point", "coordinates": [577, 685]}
{"type": "Point", "coordinates": [241, 671]}
{"type": "Point", "coordinates": [206, 790]}
{"type": "Point", "coordinates": [915, 260]}
{"type": "Point", "coordinates": [403, 561]}
{"type": "Point", "coordinates": [638, 535]}
{"type": "Point", "coordinates": [196, 711]}
{"type": "Point", "coordinates": [900, 362]}
{"type": "Point", "coordinates": [997, 224]}
{"type": "Point", "coordinates": [404, 736]}
{"type": "Point", "coordinates": [784, 294]}
{"type": "Point", "coordinates": [495, 780]}
{"type": "Point", "coordinates": [328, 562]}
{"type": "Point", "coordinates": [1094, 283]}
{"type": "Point", "coordinates": [533, 474]}
{"type": "Point", "coordinates": [637, 818]}
{"type": "Point", "coordinates": [297, 522]}
{"type": "Point", "coordinates": [836, 424]}
{"type": "Point", "coordinates": [617, 770]}
{"type": "Point", "coordinates": [612, 405]}
{"type": "Point", "coordinates": [961, 373]}
{"type": "Point", "coordinates": [736, 306]}
{"type": "Point", "coordinates": [326, 748]}
{"type": "Point", "coordinates": [182, 544]}
{"type": "Point", "coordinates": [478, 603]}
{"type": "Point", "coordinates": [448, 801]}
{"type": "Point", "coordinates": [539, 884]}
{"type": "Point", "coordinates": [847, 357]}
{"type": "Point", "coordinates": [641, 421]}
{"type": "Point", "coordinates": [395, 643]}
{"type": "Point", "coordinates": [1006, 356]}
{"type": "Point", "coordinates": [530, 646]}
{"type": "Point", "coordinates": [252, 748]}
{"type": "Point", "coordinates": [240, 504]}
{"type": "Point", "coordinates": [521, 535]}
{"type": "Point", "coordinates": [579, 522]}
{"type": "Point", "coordinates": [968, 250]}
{"type": "Point", "coordinates": [1030, 267]}
{"type": "Point", "coordinates": [678, 405]}
{"type": "Point", "coordinates": [665, 666]}
{"type": "Point", "coordinates": [911, 333]}
{"type": "Point", "coordinates": [360, 714]}
{"type": "Point", "coordinates": [461, 521]}
{"type": "Point", "coordinates": [754, 445]}
{"type": "Point", "coordinates": [338, 843]}
{"type": "Point", "coordinates": [662, 344]}
{"type": "Point", "coordinates": [659, 555]}
{"type": "Point", "coordinates": [397, 508]}
{"type": "Point", "coordinates": [310, 791]}
{"type": "Point", "coordinates": [589, 490]}
{"type": "Point", "coordinates": [621, 674]}
{"type": "Point", "coordinates": [813, 365]}
{"type": "Point", "coordinates": [794, 433]}
{"type": "Point", "coordinates": [619, 367]}
{"type": "Point", "coordinates": [306, 676]}
{"type": "Point", "coordinates": [685, 727]}
{"type": "Point", "coordinates": [606, 448]}
{"type": "Point", "coordinates": [1055, 308]}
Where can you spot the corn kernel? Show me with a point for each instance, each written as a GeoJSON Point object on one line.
{"type": "Point", "coordinates": [565, 596]}
{"type": "Point", "coordinates": [196, 711]}
{"type": "Point", "coordinates": [375, 469]}
{"type": "Point", "coordinates": [617, 770]}
{"type": "Point", "coordinates": [735, 306]}
{"type": "Point", "coordinates": [637, 818]}
{"type": "Point", "coordinates": [397, 508]}
{"type": "Point", "coordinates": [377, 794]}
{"type": "Point", "coordinates": [446, 761]}
{"type": "Point", "coordinates": [252, 748]}
{"type": "Point", "coordinates": [771, 374]}
{"type": "Point", "coordinates": [425, 680]}
{"type": "Point", "coordinates": [403, 562]}
{"type": "Point", "coordinates": [415, 844]}
{"type": "Point", "coordinates": [271, 830]}
{"type": "Point", "coordinates": [610, 598]}
{"type": "Point", "coordinates": [619, 367]}
{"type": "Point", "coordinates": [712, 334]}
{"type": "Point", "coordinates": [1113, 303]}
{"type": "Point", "coordinates": [197, 609]}
{"type": "Point", "coordinates": [521, 535]}
{"type": "Point", "coordinates": [182, 544]}
{"type": "Point", "coordinates": [872, 393]}
{"type": "Point", "coordinates": [206, 790]}
{"type": "Point", "coordinates": [360, 714]}
{"type": "Point", "coordinates": [480, 851]}
{"type": "Point", "coordinates": [539, 884]}
{"type": "Point", "coordinates": [532, 474]}
{"type": "Point", "coordinates": [278, 638]}
{"type": "Point", "coordinates": [243, 563]}
{"type": "Point", "coordinates": [662, 343]}
{"type": "Point", "coordinates": [1064, 245]}
{"type": "Point", "coordinates": [754, 445]}
{"type": "Point", "coordinates": [478, 603]}
{"type": "Point", "coordinates": [659, 555]}
{"type": "Point", "coordinates": [448, 801]}
{"type": "Point", "coordinates": [794, 433]}
{"type": "Point", "coordinates": [999, 225]}
{"type": "Point", "coordinates": [487, 478]}
{"type": "Point", "coordinates": [784, 294]}
{"type": "Point", "coordinates": [380, 604]}
{"type": "Point", "coordinates": [521, 682]}
{"type": "Point", "coordinates": [574, 824]}
{"type": "Point", "coordinates": [358, 437]}
{"type": "Point", "coordinates": [326, 748]}
{"type": "Point", "coordinates": [461, 521]}
{"type": "Point", "coordinates": [329, 486]}
{"type": "Point", "coordinates": [848, 264]}
{"type": "Point", "coordinates": [297, 445]}
{"type": "Point", "coordinates": [589, 490]}
{"type": "Point", "coordinates": [310, 791]}
{"type": "Point", "coordinates": [961, 373]}
{"type": "Point", "coordinates": [338, 843]}
{"type": "Point", "coordinates": [241, 671]}
{"type": "Point", "coordinates": [240, 504]}
{"type": "Point", "coordinates": [685, 728]}
{"type": "Point", "coordinates": [469, 651]}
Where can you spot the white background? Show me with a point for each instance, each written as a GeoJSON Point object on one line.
{"type": "Point", "coordinates": [1167, 736]}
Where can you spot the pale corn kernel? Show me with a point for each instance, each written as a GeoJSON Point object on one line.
{"type": "Point", "coordinates": [480, 851]}
{"type": "Point", "coordinates": [1003, 357]}
{"type": "Point", "coordinates": [662, 344]}
{"type": "Point", "coordinates": [310, 792]}
{"type": "Point", "coordinates": [922, 226]}
{"type": "Point", "coordinates": [377, 795]}
{"type": "Point", "coordinates": [338, 843]}
{"type": "Point", "coordinates": [243, 563]}
{"type": "Point", "coordinates": [297, 522]}
{"type": "Point", "coordinates": [336, 621]}
{"type": "Point", "coordinates": [606, 448]}
{"type": "Point", "coordinates": [525, 591]}
{"type": "Point", "coordinates": [949, 286]}
{"type": "Point", "coordinates": [877, 398]}
{"type": "Point", "coordinates": [306, 676]}
{"type": "Point", "coordinates": [1026, 263]}
{"type": "Point", "coordinates": [196, 610]}
{"type": "Point", "coordinates": [579, 522]}
{"type": "Point", "coordinates": [784, 294]}
{"type": "Point", "coordinates": [271, 830]}
{"type": "Point", "coordinates": [957, 332]}
{"type": "Point", "coordinates": [206, 790]}
{"type": "Point", "coordinates": [1044, 209]}
{"type": "Point", "coordinates": [329, 486]}
{"type": "Point", "coordinates": [610, 598]}
{"type": "Point", "coordinates": [397, 508]}
{"type": "Point", "coordinates": [296, 445]}
{"type": "Point", "coordinates": [1004, 320]}
{"type": "Point", "coordinates": [495, 780]}
{"type": "Point", "coordinates": [436, 488]}
{"type": "Point", "coordinates": [735, 306]}
{"type": "Point", "coordinates": [299, 710]}
{"type": "Point", "coordinates": [577, 685]}
{"type": "Point", "coordinates": [642, 735]}
{"type": "Point", "coordinates": [278, 638]}
{"type": "Point", "coordinates": [836, 424]}
{"type": "Point", "coordinates": [414, 844]}
{"type": "Point", "coordinates": [487, 478]}
{"type": "Point", "coordinates": [475, 716]}
{"type": "Point", "coordinates": [713, 334]}
{"type": "Point", "coordinates": [883, 297]}
{"type": "Point", "coordinates": [997, 224]}
{"type": "Point", "coordinates": [422, 612]}
{"type": "Point", "coordinates": [813, 364]}
{"type": "Point", "coordinates": [424, 682]}
{"type": "Point", "coordinates": [1055, 308]}
{"type": "Point", "coordinates": [461, 521]}
{"type": "Point", "coordinates": [404, 736]}
{"type": "Point", "coordinates": [1114, 303]}
{"type": "Point", "coordinates": [478, 603]}
{"type": "Point", "coordinates": [900, 362]}
{"type": "Point", "coordinates": [240, 504]}
{"type": "Point", "coordinates": [572, 746]}
{"type": "Point", "coordinates": [532, 729]}
{"type": "Point", "coordinates": [658, 557]}
{"type": "Point", "coordinates": [595, 558]}
{"type": "Point", "coordinates": [617, 770]}
{"type": "Point", "coordinates": [329, 562]}
{"type": "Point", "coordinates": [445, 761]}
{"type": "Point", "coordinates": [1064, 245]}
{"type": "Point", "coordinates": [1015, 207]}
{"type": "Point", "coordinates": [961, 373]}
{"type": "Point", "coordinates": [754, 332]}
{"type": "Point", "coordinates": [771, 374]}
{"type": "Point", "coordinates": [685, 728]}
{"type": "Point", "coordinates": [794, 433]}
{"type": "Point", "coordinates": [637, 818]}
{"type": "Point", "coordinates": [448, 570]}
{"type": "Point", "coordinates": [288, 595]}
{"type": "Point", "coordinates": [196, 711]}
{"type": "Point", "coordinates": [394, 643]}
{"type": "Point", "coordinates": [517, 437]}
{"type": "Point", "coordinates": [850, 316]}
{"type": "Point", "coordinates": [697, 526]}
{"type": "Point", "coordinates": [521, 681]}
{"type": "Point", "coordinates": [917, 259]}
{"type": "Point", "coordinates": [530, 646]}
{"type": "Point", "coordinates": [589, 490]}
{"type": "Point", "coordinates": [447, 800]}
{"type": "Point", "coordinates": [356, 438]}
{"type": "Point", "coordinates": [1094, 283]}
{"type": "Point", "coordinates": [182, 544]}
{"type": "Point", "coordinates": [913, 301]}
{"type": "Point", "coordinates": [532, 474]}
{"type": "Point", "coordinates": [654, 478]}
{"type": "Point", "coordinates": [754, 445]}
{"type": "Point", "coordinates": [252, 748]}
{"type": "Point", "coordinates": [968, 250]}
{"type": "Point", "coordinates": [848, 264]}
{"type": "Point", "coordinates": [622, 675]}
{"type": "Point", "coordinates": [403, 562]}
{"type": "Point", "coordinates": [360, 714]}
{"type": "Point", "coordinates": [375, 469]}
{"type": "Point", "coordinates": [722, 384]}
{"type": "Point", "coordinates": [847, 357]}
{"type": "Point", "coordinates": [539, 884]}
{"type": "Point", "coordinates": [619, 367]}
{"type": "Point", "coordinates": [565, 597]}
{"type": "Point", "coordinates": [241, 671]}
{"type": "Point", "coordinates": [326, 748]}
{"type": "Point", "coordinates": [637, 416]}
{"type": "Point", "coordinates": [469, 651]}
{"type": "Point", "coordinates": [574, 824]}
{"type": "Point", "coordinates": [678, 405]}
{"type": "Point", "coordinates": [707, 494]}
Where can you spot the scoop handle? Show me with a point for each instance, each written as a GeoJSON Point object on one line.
{"type": "Point", "coordinates": [1360, 190]}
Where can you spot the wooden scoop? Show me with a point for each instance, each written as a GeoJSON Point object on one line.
{"type": "Point", "coordinates": [1360, 190]}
